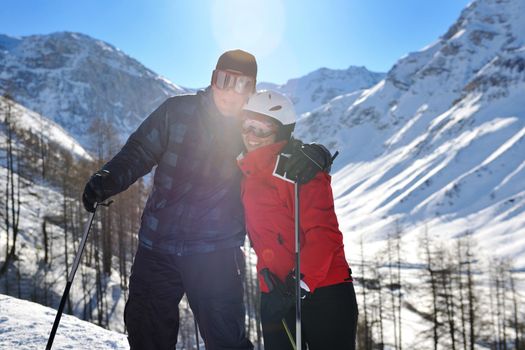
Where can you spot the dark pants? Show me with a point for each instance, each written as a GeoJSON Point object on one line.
{"type": "Point", "coordinates": [329, 321]}
{"type": "Point", "coordinates": [213, 285]}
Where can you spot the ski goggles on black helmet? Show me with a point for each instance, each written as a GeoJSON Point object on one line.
{"type": "Point", "coordinates": [225, 80]}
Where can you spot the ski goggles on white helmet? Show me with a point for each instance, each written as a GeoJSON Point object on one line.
{"type": "Point", "coordinates": [258, 127]}
{"type": "Point", "coordinates": [224, 80]}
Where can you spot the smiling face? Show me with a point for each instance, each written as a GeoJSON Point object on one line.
{"type": "Point", "coordinates": [258, 131]}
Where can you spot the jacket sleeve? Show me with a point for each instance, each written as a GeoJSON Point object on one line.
{"type": "Point", "coordinates": [142, 151]}
{"type": "Point", "coordinates": [318, 222]}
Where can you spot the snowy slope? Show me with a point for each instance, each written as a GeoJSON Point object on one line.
{"type": "Point", "coordinates": [319, 87]}
{"type": "Point", "coordinates": [41, 201]}
{"type": "Point", "coordinates": [26, 325]}
{"type": "Point", "coordinates": [440, 141]}
{"type": "Point", "coordinates": [73, 79]}
{"type": "Point", "coordinates": [34, 123]}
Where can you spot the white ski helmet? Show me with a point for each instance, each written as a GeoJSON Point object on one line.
{"type": "Point", "coordinates": [272, 104]}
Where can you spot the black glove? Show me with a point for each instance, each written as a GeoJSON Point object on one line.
{"type": "Point", "coordinates": [100, 187]}
{"type": "Point", "coordinates": [306, 160]}
{"type": "Point", "coordinates": [279, 300]}
{"type": "Point", "coordinates": [290, 285]}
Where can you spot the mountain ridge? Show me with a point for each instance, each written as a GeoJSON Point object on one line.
{"type": "Point", "coordinates": [320, 86]}
{"type": "Point", "coordinates": [439, 139]}
{"type": "Point", "coordinates": [74, 79]}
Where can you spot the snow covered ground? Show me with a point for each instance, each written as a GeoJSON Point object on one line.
{"type": "Point", "coordinates": [25, 325]}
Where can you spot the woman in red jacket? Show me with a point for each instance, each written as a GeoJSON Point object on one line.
{"type": "Point", "coordinates": [329, 308]}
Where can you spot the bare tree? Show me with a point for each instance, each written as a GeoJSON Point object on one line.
{"type": "Point", "coordinates": [397, 240]}
{"type": "Point", "coordinates": [462, 309]}
{"type": "Point", "coordinates": [518, 328]}
{"type": "Point", "coordinates": [366, 334]}
{"type": "Point", "coordinates": [433, 287]}
{"type": "Point", "coordinates": [12, 192]}
{"type": "Point", "coordinates": [379, 289]}
{"type": "Point", "coordinates": [471, 294]}
{"type": "Point", "coordinates": [393, 287]}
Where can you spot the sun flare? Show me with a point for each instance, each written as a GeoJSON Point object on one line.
{"type": "Point", "coordinates": [253, 25]}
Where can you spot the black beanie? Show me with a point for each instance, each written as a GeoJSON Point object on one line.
{"type": "Point", "coordinates": [238, 60]}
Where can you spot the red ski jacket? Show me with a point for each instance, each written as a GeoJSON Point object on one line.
{"type": "Point", "coordinates": [269, 209]}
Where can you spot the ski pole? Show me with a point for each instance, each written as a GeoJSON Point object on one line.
{"type": "Point", "coordinates": [289, 334]}
{"type": "Point", "coordinates": [298, 342]}
{"type": "Point", "coordinates": [76, 262]}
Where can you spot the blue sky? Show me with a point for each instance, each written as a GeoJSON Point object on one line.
{"type": "Point", "coordinates": [182, 40]}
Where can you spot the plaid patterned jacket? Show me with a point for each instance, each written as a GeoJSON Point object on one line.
{"type": "Point", "coordinates": [195, 203]}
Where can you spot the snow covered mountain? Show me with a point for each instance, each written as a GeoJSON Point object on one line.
{"type": "Point", "coordinates": [74, 79]}
{"type": "Point", "coordinates": [319, 87]}
{"type": "Point", "coordinates": [44, 129]}
{"type": "Point", "coordinates": [440, 142]}
{"type": "Point", "coordinates": [26, 325]}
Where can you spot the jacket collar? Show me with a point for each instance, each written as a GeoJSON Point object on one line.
{"type": "Point", "coordinates": [262, 159]}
